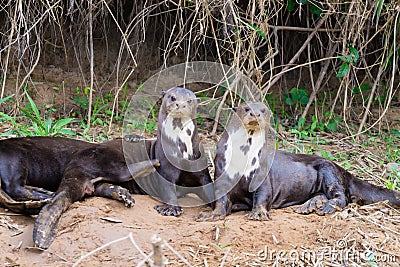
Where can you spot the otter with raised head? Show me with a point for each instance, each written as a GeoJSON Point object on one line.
{"type": "Point", "coordinates": [317, 184]}
{"type": "Point", "coordinates": [182, 163]}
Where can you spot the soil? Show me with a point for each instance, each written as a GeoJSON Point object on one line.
{"type": "Point", "coordinates": [289, 239]}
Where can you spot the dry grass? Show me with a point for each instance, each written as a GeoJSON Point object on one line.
{"type": "Point", "coordinates": [276, 48]}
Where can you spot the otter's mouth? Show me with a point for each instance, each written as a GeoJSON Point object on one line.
{"type": "Point", "coordinates": [253, 123]}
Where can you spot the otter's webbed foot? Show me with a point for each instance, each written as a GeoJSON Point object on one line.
{"type": "Point", "coordinates": [169, 210]}
{"type": "Point", "coordinates": [329, 207]}
{"type": "Point", "coordinates": [213, 216]}
{"type": "Point", "coordinates": [314, 204]}
{"type": "Point", "coordinates": [115, 192]}
{"type": "Point", "coordinates": [259, 213]}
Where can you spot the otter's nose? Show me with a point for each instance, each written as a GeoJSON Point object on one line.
{"type": "Point", "coordinates": [180, 105]}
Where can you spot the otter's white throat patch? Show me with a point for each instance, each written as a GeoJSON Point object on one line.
{"type": "Point", "coordinates": [182, 131]}
{"type": "Point", "coordinates": [243, 148]}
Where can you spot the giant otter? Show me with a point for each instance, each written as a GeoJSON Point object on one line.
{"type": "Point", "coordinates": [183, 167]}
{"type": "Point", "coordinates": [317, 184]}
{"type": "Point", "coordinates": [30, 167]}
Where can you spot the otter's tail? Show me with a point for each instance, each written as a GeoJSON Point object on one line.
{"type": "Point", "coordinates": [46, 224]}
{"type": "Point", "coordinates": [364, 193]}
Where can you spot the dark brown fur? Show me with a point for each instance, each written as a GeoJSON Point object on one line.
{"type": "Point", "coordinates": [103, 162]}
{"type": "Point", "coordinates": [31, 168]}
{"type": "Point", "coordinates": [318, 184]}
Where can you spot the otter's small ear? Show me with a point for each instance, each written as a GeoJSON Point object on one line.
{"type": "Point", "coordinates": [163, 93]}
{"type": "Point", "coordinates": [198, 100]}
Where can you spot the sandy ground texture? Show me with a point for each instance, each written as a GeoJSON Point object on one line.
{"type": "Point", "coordinates": [356, 236]}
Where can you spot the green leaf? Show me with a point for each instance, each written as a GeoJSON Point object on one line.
{"type": "Point", "coordinates": [365, 87]}
{"type": "Point", "coordinates": [343, 70]}
{"type": "Point", "coordinates": [61, 123]}
{"type": "Point", "coordinates": [304, 100]}
{"type": "Point", "coordinates": [395, 132]}
{"type": "Point", "coordinates": [66, 132]}
{"type": "Point", "coordinates": [378, 9]}
{"type": "Point", "coordinates": [301, 122]}
{"type": "Point", "coordinates": [333, 124]}
{"type": "Point", "coordinates": [356, 90]}
{"type": "Point", "coordinates": [288, 100]}
{"type": "Point", "coordinates": [313, 126]}
{"type": "Point", "coordinates": [33, 107]}
{"type": "Point", "coordinates": [291, 5]}
{"type": "Point", "coordinates": [7, 117]}
{"type": "Point", "coordinates": [6, 98]}
{"type": "Point", "coordinates": [47, 126]}
{"type": "Point", "coordinates": [294, 90]}
{"type": "Point", "coordinates": [31, 117]}
{"type": "Point", "coordinates": [342, 58]}
{"type": "Point", "coordinates": [315, 9]}
{"type": "Point", "coordinates": [258, 31]}
{"type": "Point", "coordinates": [354, 53]}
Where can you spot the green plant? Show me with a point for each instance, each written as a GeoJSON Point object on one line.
{"type": "Point", "coordinates": [352, 58]}
{"type": "Point", "coordinates": [101, 108]}
{"type": "Point", "coordinates": [144, 123]}
{"type": "Point", "coordinates": [38, 126]}
{"type": "Point", "coordinates": [296, 96]}
{"type": "Point", "coordinates": [5, 99]}
{"type": "Point", "coordinates": [314, 9]}
{"type": "Point", "coordinates": [393, 181]}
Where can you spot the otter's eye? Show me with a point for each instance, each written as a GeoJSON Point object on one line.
{"type": "Point", "coordinates": [173, 98]}
{"type": "Point", "coordinates": [247, 109]}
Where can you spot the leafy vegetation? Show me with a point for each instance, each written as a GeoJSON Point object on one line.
{"type": "Point", "coordinates": [37, 126]}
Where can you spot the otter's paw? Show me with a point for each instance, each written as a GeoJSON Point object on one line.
{"type": "Point", "coordinates": [169, 210]}
{"type": "Point", "coordinates": [259, 214]}
{"type": "Point", "coordinates": [313, 204]}
{"type": "Point", "coordinates": [123, 195]}
{"type": "Point", "coordinates": [328, 208]}
{"type": "Point", "coordinates": [207, 217]}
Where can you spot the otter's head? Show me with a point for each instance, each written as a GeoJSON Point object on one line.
{"type": "Point", "coordinates": [254, 116]}
{"type": "Point", "coordinates": [179, 102]}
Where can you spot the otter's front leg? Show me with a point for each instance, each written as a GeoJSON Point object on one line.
{"type": "Point", "coordinates": [167, 193]}
{"type": "Point", "coordinates": [223, 205]}
{"type": "Point", "coordinates": [262, 198]}
{"type": "Point", "coordinates": [114, 192]}
{"type": "Point", "coordinates": [169, 197]}
{"type": "Point", "coordinates": [220, 211]}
